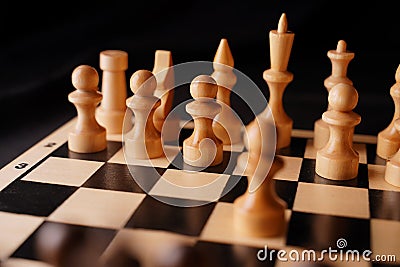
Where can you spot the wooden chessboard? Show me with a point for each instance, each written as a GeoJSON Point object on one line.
{"type": "Point", "coordinates": [48, 184]}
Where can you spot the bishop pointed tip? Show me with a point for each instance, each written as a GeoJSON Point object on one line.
{"type": "Point", "coordinates": [282, 24]}
{"type": "Point", "coordinates": [397, 76]}
{"type": "Point", "coordinates": [224, 54]}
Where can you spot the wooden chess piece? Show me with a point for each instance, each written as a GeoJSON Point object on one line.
{"type": "Point", "coordinates": [164, 72]}
{"type": "Point", "coordinates": [337, 160]}
{"type": "Point", "coordinates": [260, 211]}
{"type": "Point", "coordinates": [277, 78]}
{"type": "Point", "coordinates": [203, 148]}
{"type": "Point", "coordinates": [227, 125]}
{"type": "Point", "coordinates": [88, 136]}
{"type": "Point", "coordinates": [66, 246]}
{"type": "Point", "coordinates": [340, 59]}
{"type": "Point", "coordinates": [143, 141]}
{"type": "Point", "coordinates": [392, 172]}
{"type": "Point", "coordinates": [178, 255]}
{"type": "Point", "coordinates": [111, 111]}
{"type": "Point", "coordinates": [389, 139]}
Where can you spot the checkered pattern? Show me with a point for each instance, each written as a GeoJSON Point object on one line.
{"type": "Point", "coordinates": [97, 192]}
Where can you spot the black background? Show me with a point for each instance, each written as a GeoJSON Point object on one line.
{"type": "Point", "coordinates": [41, 44]}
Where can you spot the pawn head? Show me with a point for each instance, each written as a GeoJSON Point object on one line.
{"type": "Point", "coordinates": [343, 97]}
{"type": "Point", "coordinates": [203, 86]}
{"type": "Point", "coordinates": [143, 83]}
{"type": "Point", "coordinates": [85, 78]}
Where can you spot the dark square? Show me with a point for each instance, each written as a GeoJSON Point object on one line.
{"type": "Point", "coordinates": [286, 190]}
{"type": "Point", "coordinates": [101, 239]}
{"type": "Point", "coordinates": [32, 198]}
{"type": "Point", "coordinates": [372, 157]}
{"type": "Point", "coordinates": [384, 204]}
{"type": "Point", "coordinates": [216, 254]}
{"type": "Point", "coordinates": [296, 148]}
{"type": "Point", "coordinates": [105, 155]}
{"type": "Point", "coordinates": [235, 187]}
{"type": "Point", "coordinates": [227, 165]}
{"type": "Point", "coordinates": [308, 175]}
{"type": "Point", "coordinates": [158, 215]}
{"type": "Point", "coordinates": [183, 134]}
{"type": "Point", "coordinates": [121, 177]}
{"type": "Point", "coordinates": [319, 232]}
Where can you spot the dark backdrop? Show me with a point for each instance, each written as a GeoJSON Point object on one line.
{"type": "Point", "coordinates": [41, 44]}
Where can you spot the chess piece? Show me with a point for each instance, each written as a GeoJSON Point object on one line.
{"type": "Point", "coordinates": [392, 172]}
{"type": "Point", "coordinates": [227, 125]}
{"type": "Point", "coordinates": [203, 148]}
{"type": "Point", "coordinates": [63, 245]}
{"type": "Point", "coordinates": [88, 136]}
{"type": "Point", "coordinates": [340, 59]}
{"type": "Point", "coordinates": [122, 258]}
{"type": "Point", "coordinates": [389, 139]}
{"type": "Point", "coordinates": [111, 111]}
{"type": "Point", "coordinates": [337, 160]}
{"type": "Point", "coordinates": [164, 72]}
{"type": "Point", "coordinates": [277, 78]}
{"type": "Point", "coordinates": [178, 255]}
{"type": "Point", "coordinates": [166, 123]}
{"type": "Point", "coordinates": [260, 211]}
{"type": "Point", "coordinates": [143, 141]}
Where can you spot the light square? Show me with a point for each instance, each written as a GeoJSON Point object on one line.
{"type": "Point", "coordinates": [290, 171]}
{"type": "Point", "coordinates": [97, 208]}
{"type": "Point", "coordinates": [162, 162]}
{"type": "Point", "coordinates": [148, 243]}
{"type": "Point", "coordinates": [376, 176]}
{"type": "Point", "coordinates": [332, 200]}
{"type": "Point", "coordinates": [190, 185]}
{"type": "Point", "coordinates": [311, 151]}
{"type": "Point", "coordinates": [385, 238]}
{"type": "Point", "coordinates": [15, 229]}
{"type": "Point", "coordinates": [220, 228]}
{"type": "Point", "coordinates": [65, 171]}
{"type": "Point", "coordinates": [17, 262]}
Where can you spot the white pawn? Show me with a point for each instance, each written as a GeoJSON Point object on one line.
{"type": "Point", "coordinates": [337, 160]}
{"type": "Point", "coordinates": [392, 173]}
{"type": "Point", "coordinates": [143, 141]}
{"type": "Point", "coordinates": [340, 59]}
{"type": "Point", "coordinates": [203, 148]}
{"type": "Point", "coordinates": [88, 136]}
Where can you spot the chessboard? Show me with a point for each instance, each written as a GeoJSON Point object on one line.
{"type": "Point", "coordinates": [50, 185]}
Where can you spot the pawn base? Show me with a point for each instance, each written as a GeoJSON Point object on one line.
{"type": "Point", "coordinates": [87, 142]}
{"type": "Point", "coordinates": [386, 147]}
{"type": "Point", "coordinates": [208, 153]}
{"type": "Point", "coordinates": [392, 174]}
{"type": "Point", "coordinates": [336, 167]}
{"type": "Point", "coordinates": [140, 149]}
{"type": "Point", "coordinates": [265, 222]}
